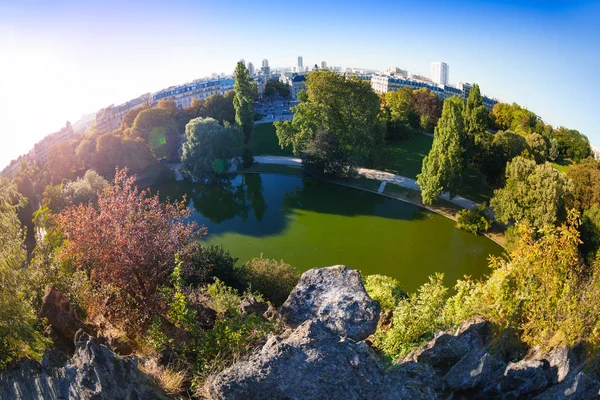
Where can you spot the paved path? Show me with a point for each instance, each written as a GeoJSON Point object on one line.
{"type": "Point", "coordinates": [382, 176]}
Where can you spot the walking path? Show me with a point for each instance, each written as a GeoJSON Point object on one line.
{"type": "Point", "coordinates": [382, 176]}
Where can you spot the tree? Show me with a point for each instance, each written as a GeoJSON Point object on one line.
{"type": "Point", "coordinates": [129, 118]}
{"type": "Point", "coordinates": [590, 234]}
{"type": "Point", "coordinates": [220, 108]}
{"type": "Point", "coordinates": [157, 127]}
{"type": "Point", "coordinates": [61, 161]}
{"type": "Point", "coordinates": [586, 183]}
{"type": "Point", "coordinates": [273, 279]}
{"type": "Point", "coordinates": [208, 147]}
{"type": "Point", "coordinates": [85, 189]}
{"type": "Point", "coordinates": [533, 193]}
{"type": "Point", "coordinates": [243, 103]}
{"type": "Point", "coordinates": [429, 108]}
{"type": "Point", "coordinates": [127, 244]}
{"type": "Point", "coordinates": [537, 146]}
{"type": "Point", "coordinates": [443, 166]}
{"type": "Point", "coordinates": [18, 320]}
{"type": "Point", "coordinates": [345, 110]}
{"type": "Point", "coordinates": [402, 116]}
{"type": "Point", "coordinates": [475, 113]}
{"type": "Point", "coordinates": [572, 144]}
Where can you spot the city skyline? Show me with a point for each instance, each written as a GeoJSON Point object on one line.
{"type": "Point", "coordinates": [66, 61]}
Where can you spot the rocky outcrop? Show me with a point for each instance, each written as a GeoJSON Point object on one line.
{"type": "Point", "coordinates": [335, 296]}
{"type": "Point", "coordinates": [313, 362]}
{"type": "Point", "coordinates": [323, 355]}
{"type": "Point", "coordinates": [94, 372]}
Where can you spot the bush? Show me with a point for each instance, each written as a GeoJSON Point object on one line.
{"type": "Point", "coordinates": [415, 320]}
{"type": "Point", "coordinates": [209, 262]}
{"type": "Point", "coordinates": [475, 220]}
{"type": "Point", "coordinates": [273, 279]}
{"type": "Point", "coordinates": [385, 290]}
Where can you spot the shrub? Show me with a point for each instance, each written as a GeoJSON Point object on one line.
{"type": "Point", "coordinates": [385, 290]}
{"type": "Point", "coordinates": [273, 279]}
{"type": "Point", "coordinates": [212, 261]}
{"type": "Point", "coordinates": [415, 320]}
{"type": "Point", "coordinates": [475, 220]}
{"type": "Point", "coordinates": [223, 298]}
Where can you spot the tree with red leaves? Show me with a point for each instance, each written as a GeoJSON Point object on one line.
{"type": "Point", "coordinates": [127, 244]}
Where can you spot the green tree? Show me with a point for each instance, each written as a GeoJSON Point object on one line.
{"type": "Point", "coordinates": [18, 320]}
{"type": "Point", "coordinates": [157, 127]}
{"type": "Point", "coordinates": [208, 147]}
{"type": "Point", "coordinates": [345, 110]}
{"type": "Point", "coordinates": [572, 144]}
{"type": "Point", "coordinates": [243, 103]}
{"type": "Point", "coordinates": [590, 234]}
{"type": "Point", "coordinates": [401, 111]}
{"type": "Point", "coordinates": [475, 113]}
{"type": "Point", "coordinates": [533, 193]}
{"type": "Point", "coordinates": [443, 166]}
{"type": "Point", "coordinates": [585, 177]}
{"type": "Point", "coordinates": [537, 146]}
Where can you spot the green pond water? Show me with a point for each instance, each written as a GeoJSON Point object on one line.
{"type": "Point", "coordinates": [310, 224]}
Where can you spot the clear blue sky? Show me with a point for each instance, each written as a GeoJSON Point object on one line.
{"type": "Point", "coordinates": [60, 59]}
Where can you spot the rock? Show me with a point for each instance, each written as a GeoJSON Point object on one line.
{"type": "Point", "coordinates": [445, 350]}
{"type": "Point", "coordinates": [413, 381]}
{"type": "Point", "coordinates": [562, 361]}
{"type": "Point", "coordinates": [313, 362]}
{"type": "Point", "coordinates": [476, 369]}
{"type": "Point", "coordinates": [94, 372]}
{"type": "Point", "coordinates": [270, 313]}
{"type": "Point", "coordinates": [386, 318]}
{"type": "Point", "coordinates": [250, 306]}
{"type": "Point", "coordinates": [525, 377]}
{"type": "Point", "coordinates": [576, 386]}
{"type": "Point", "coordinates": [64, 321]}
{"type": "Point", "coordinates": [336, 296]}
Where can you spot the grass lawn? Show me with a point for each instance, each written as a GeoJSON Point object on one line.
{"type": "Point", "coordinates": [406, 157]}
{"type": "Point", "coordinates": [562, 165]}
{"type": "Point", "coordinates": [274, 169]}
{"type": "Point", "coordinates": [264, 142]}
{"type": "Point", "coordinates": [474, 188]}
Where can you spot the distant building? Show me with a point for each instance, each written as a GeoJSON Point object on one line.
{"type": "Point", "coordinates": [395, 71]}
{"type": "Point", "coordinates": [296, 83]}
{"type": "Point", "coordinates": [440, 72]}
{"type": "Point", "coordinates": [466, 89]}
{"type": "Point", "coordinates": [251, 69]}
{"type": "Point", "coordinates": [199, 89]}
{"type": "Point", "coordinates": [108, 119]}
{"type": "Point", "coordinates": [214, 75]}
{"type": "Point", "coordinates": [384, 84]}
{"type": "Point", "coordinates": [261, 84]}
{"type": "Point", "coordinates": [323, 65]}
{"type": "Point", "coordinates": [266, 71]}
{"type": "Point", "coordinates": [300, 64]}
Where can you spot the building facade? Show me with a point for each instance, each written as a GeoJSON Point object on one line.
{"type": "Point", "coordinates": [440, 73]}
{"type": "Point", "coordinates": [199, 89]}
{"type": "Point", "coordinates": [108, 119]}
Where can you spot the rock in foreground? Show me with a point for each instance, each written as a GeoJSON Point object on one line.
{"type": "Point", "coordinates": [335, 296]}
{"type": "Point", "coordinates": [94, 372]}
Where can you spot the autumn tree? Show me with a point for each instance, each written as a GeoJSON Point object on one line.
{"type": "Point", "coordinates": [586, 183]}
{"type": "Point", "coordinates": [127, 244]}
{"type": "Point", "coordinates": [243, 102]}
{"type": "Point", "coordinates": [428, 107]}
{"type": "Point", "coordinates": [61, 161]}
{"type": "Point", "coordinates": [533, 193]}
{"type": "Point", "coordinates": [131, 115]}
{"type": "Point", "coordinates": [443, 166]}
{"type": "Point", "coordinates": [157, 127]}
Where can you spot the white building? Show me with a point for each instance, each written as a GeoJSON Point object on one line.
{"type": "Point", "coordinates": [266, 71]}
{"type": "Point", "coordinates": [440, 72]}
{"type": "Point", "coordinates": [251, 69]}
{"type": "Point", "coordinates": [395, 71]}
{"type": "Point", "coordinates": [200, 89]}
{"type": "Point", "coordinates": [323, 65]}
{"type": "Point", "coordinates": [300, 64]}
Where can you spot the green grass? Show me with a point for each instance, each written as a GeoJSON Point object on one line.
{"type": "Point", "coordinates": [264, 142]}
{"type": "Point", "coordinates": [474, 188]}
{"type": "Point", "coordinates": [406, 157]}
{"type": "Point", "coordinates": [562, 165]}
{"type": "Point", "coordinates": [274, 169]}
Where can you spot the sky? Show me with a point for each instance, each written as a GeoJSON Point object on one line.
{"type": "Point", "coordinates": [62, 59]}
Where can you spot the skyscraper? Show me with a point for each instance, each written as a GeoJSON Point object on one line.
{"type": "Point", "coordinates": [251, 69]}
{"type": "Point", "coordinates": [323, 65]}
{"type": "Point", "coordinates": [439, 72]}
{"type": "Point", "coordinates": [266, 71]}
{"type": "Point", "coordinates": [300, 65]}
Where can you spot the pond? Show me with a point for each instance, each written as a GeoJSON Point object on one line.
{"type": "Point", "coordinates": [311, 224]}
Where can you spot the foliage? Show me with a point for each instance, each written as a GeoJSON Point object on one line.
{"type": "Point", "coordinates": [324, 156]}
{"type": "Point", "coordinates": [443, 166]}
{"type": "Point", "coordinates": [157, 127]}
{"type": "Point", "coordinates": [128, 245]}
{"type": "Point", "coordinates": [276, 87]}
{"type": "Point", "coordinates": [513, 117]}
{"type": "Point", "coordinates": [475, 220]}
{"type": "Point", "coordinates": [244, 107]}
{"type": "Point", "coordinates": [428, 107]}
{"type": "Point", "coordinates": [586, 183]}
{"type": "Point", "coordinates": [384, 289]}
{"type": "Point", "coordinates": [590, 235]}
{"type": "Point", "coordinates": [402, 116]}
{"type": "Point", "coordinates": [537, 147]}
{"type": "Point", "coordinates": [180, 313]}
{"type": "Point", "coordinates": [271, 278]}
{"type": "Point", "coordinates": [18, 321]}
{"type": "Point", "coordinates": [222, 298]}
{"type": "Point", "coordinates": [130, 116]}
{"type": "Point", "coordinates": [346, 109]}
{"type": "Point", "coordinates": [534, 193]}
{"type": "Point", "coordinates": [415, 320]}
{"type": "Point", "coordinates": [61, 161]}
{"type": "Point", "coordinates": [84, 190]}
{"type": "Point", "coordinates": [572, 144]}
{"type": "Point", "coordinates": [207, 142]}
{"type": "Point", "coordinates": [475, 114]}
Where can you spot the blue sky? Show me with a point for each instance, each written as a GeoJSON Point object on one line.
{"type": "Point", "coordinates": [61, 59]}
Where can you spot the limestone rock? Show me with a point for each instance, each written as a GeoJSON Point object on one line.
{"type": "Point", "coordinates": [475, 370]}
{"type": "Point", "coordinates": [525, 377]}
{"type": "Point", "coordinates": [445, 350]}
{"type": "Point", "coordinates": [336, 296]}
{"type": "Point", "coordinates": [576, 386]}
{"type": "Point", "coordinates": [313, 362]}
{"type": "Point", "coordinates": [251, 306]}
{"type": "Point", "coordinates": [94, 372]}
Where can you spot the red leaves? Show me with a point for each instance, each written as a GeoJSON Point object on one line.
{"type": "Point", "coordinates": [129, 241]}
